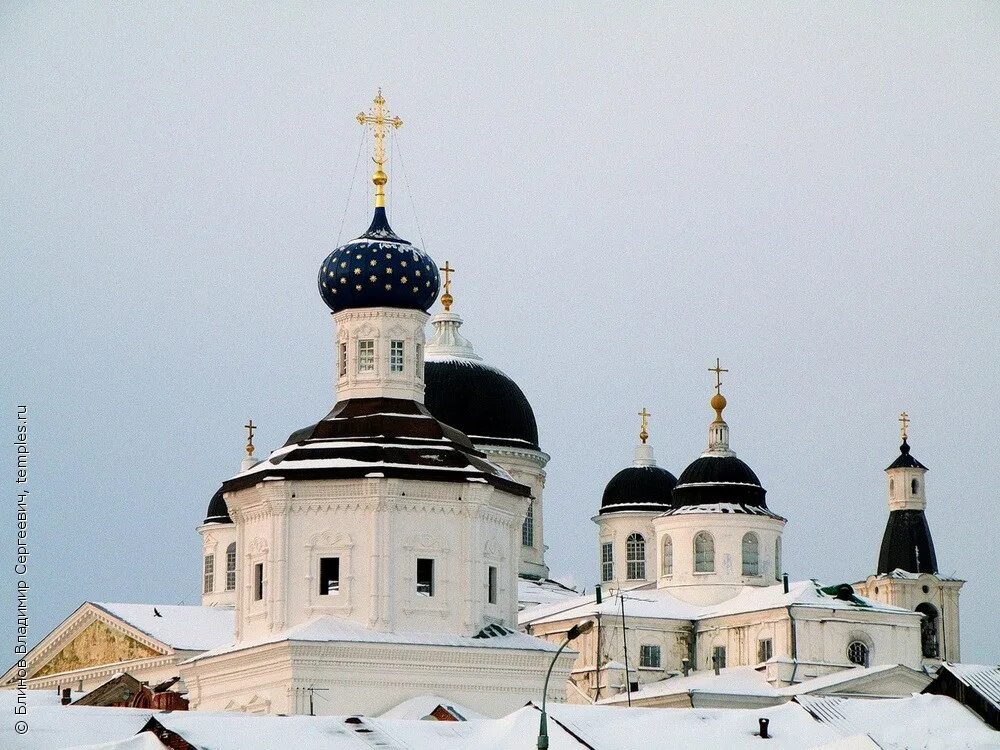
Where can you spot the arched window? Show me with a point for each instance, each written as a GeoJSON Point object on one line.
{"type": "Point", "coordinates": [857, 653]}
{"type": "Point", "coordinates": [892, 486]}
{"type": "Point", "coordinates": [231, 567]}
{"type": "Point", "coordinates": [667, 559]}
{"type": "Point", "coordinates": [914, 486]}
{"type": "Point", "coordinates": [528, 527]}
{"type": "Point", "coordinates": [929, 630]}
{"type": "Point", "coordinates": [777, 559]}
{"type": "Point", "coordinates": [751, 554]}
{"type": "Point", "coordinates": [635, 557]}
{"type": "Point", "coordinates": [704, 553]}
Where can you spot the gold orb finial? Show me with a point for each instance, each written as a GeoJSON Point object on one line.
{"type": "Point", "coordinates": [446, 298]}
{"type": "Point", "coordinates": [643, 429]}
{"type": "Point", "coordinates": [250, 429]}
{"type": "Point", "coordinates": [379, 118]}
{"type": "Point", "coordinates": [718, 402]}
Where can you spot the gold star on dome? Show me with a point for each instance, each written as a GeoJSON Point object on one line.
{"type": "Point", "coordinates": [388, 270]}
{"type": "Point", "coordinates": [402, 279]}
{"type": "Point", "coordinates": [343, 264]}
{"type": "Point", "coordinates": [428, 283]}
{"type": "Point", "coordinates": [357, 271]}
{"type": "Point", "coordinates": [388, 287]}
{"type": "Point", "coordinates": [418, 272]}
{"type": "Point", "coordinates": [357, 287]}
{"type": "Point", "coordinates": [330, 274]}
{"type": "Point", "coordinates": [343, 279]}
{"type": "Point", "coordinates": [388, 256]}
{"type": "Point", "coordinates": [373, 278]}
{"type": "Point", "coordinates": [324, 285]}
{"type": "Point", "coordinates": [374, 262]}
{"type": "Point", "coordinates": [402, 263]}
{"type": "Point", "coordinates": [358, 256]}
{"type": "Point", "coordinates": [416, 289]}
{"type": "Point", "coordinates": [333, 291]}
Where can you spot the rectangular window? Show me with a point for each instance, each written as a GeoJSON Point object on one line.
{"type": "Point", "coordinates": [329, 576]}
{"type": "Point", "coordinates": [492, 584]}
{"type": "Point", "coordinates": [425, 576]}
{"type": "Point", "coordinates": [343, 358]}
{"type": "Point", "coordinates": [719, 657]}
{"type": "Point", "coordinates": [765, 649]}
{"type": "Point", "coordinates": [528, 527]}
{"type": "Point", "coordinates": [231, 567]}
{"type": "Point", "coordinates": [396, 356]}
{"type": "Point", "coordinates": [607, 562]}
{"type": "Point", "coordinates": [649, 656]}
{"type": "Point", "coordinates": [258, 582]}
{"type": "Point", "coordinates": [209, 574]}
{"type": "Point", "coordinates": [366, 355]}
{"type": "Point", "coordinates": [420, 360]}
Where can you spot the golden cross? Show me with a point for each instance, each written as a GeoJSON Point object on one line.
{"type": "Point", "coordinates": [643, 432]}
{"type": "Point", "coordinates": [718, 370]}
{"type": "Point", "coordinates": [904, 424]}
{"type": "Point", "coordinates": [250, 428]}
{"type": "Point", "coordinates": [378, 117]}
{"type": "Point", "coordinates": [446, 298]}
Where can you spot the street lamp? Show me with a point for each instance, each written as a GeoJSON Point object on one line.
{"type": "Point", "coordinates": [584, 626]}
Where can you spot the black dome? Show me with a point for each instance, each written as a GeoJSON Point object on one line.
{"type": "Point", "coordinates": [718, 479]}
{"type": "Point", "coordinates": [639, 488]}
{"type": "Point", "coordinates": [217, 510]}
{"type": "Point", "coordinates": [905, 460]}
{"type": "Point", "coordinates": [480, 401]}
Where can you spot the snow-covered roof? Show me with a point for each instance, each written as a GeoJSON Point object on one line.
{"type": "Point", "coordinates": [531, 593]}
{"type": "Point", "coordinates": [327, 629]}
{"type": "Point", "coordinates": [730, 681]}
{"type": "Point", "coordinates": [984, 678]}
{"type": "Point", "coordinates": [920, 721]}
{"type": "Point", "coordinates": [839, 678]}
{"type": "Point", "coordinates": [661, 604]}
{"type": "Point", "coordinates": [421, 706]}
{"type": "Point", "coordinates": [183, 627]}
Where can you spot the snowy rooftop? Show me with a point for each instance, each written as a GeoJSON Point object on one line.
{"type": "Point", "coordinates": [183, 627]}
{"type": "Point", "coordinates": [326, 629]}
{"type": "Point", "coordinates": [730, 681]}
{"type": "Point", "coordinates": [661, 604]}
{"type": "Point", "coordinates": [984, 678]}
{"type": "Point", "coordinates": [531, 593]}
{"type": "Point", "coordinates": [421, 706]}
{"type": "Point", "coordinates": [920, 721]}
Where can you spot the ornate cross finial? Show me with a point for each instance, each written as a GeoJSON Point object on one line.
{"type": "Point", "coordinates": [378, 118]}
{"type": "Point", "coordinates": [643, 431]}
{"type": "Point", "coordinates": [718, 370]}
{"type": "Point", "coordinates": [446, 298]}
{"type": "Point", "coordinates": [904, 425]}
{"type": "Point", "coordinates": [250, 428]}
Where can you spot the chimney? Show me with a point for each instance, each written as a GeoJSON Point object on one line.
{"type": "Point", "coordinates": [784, 581]}
{"type": "Point", "coordinates": [715, 663]}
{"type": "Point", "coordinates": [598, 593]}
{"type": "Point", "coordinates": [66, 698]}
{"type": "Point", "coordinates": [686, 666]}
{"type": "Point", "coordinates": [763, 728]}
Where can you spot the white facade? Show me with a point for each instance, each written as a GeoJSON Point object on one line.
{"type": "Point", "coordinates": [218, 564]}
{"type": "Point", "coordinates": [623, 530]}
{"type": "Point", "coordinates": [733, 549]}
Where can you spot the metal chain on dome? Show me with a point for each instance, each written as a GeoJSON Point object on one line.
{"type": "Point", "coordinates": [409, 194]}
{"type": "Point", "coordinates": [350, 190]}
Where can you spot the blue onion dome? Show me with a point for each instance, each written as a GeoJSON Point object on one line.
{"type": "Point", "coordinates": [379, 269]}
{"type": "Point", "coordinates": [217, 510]}
{"type": "Point", "coordinates": [639, 488]}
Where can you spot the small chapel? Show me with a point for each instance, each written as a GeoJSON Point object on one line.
{"type": "Point", "coordinates": [394, 548]}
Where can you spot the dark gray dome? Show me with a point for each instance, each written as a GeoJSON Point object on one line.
{"type": "Point", "coordinates": [639, 488]}
{"type": "Point", "coordinates": [718, 479]}
{"type": "Point", "coordinates": [217, 510]}
{"type": "Point", "coordinates": [480, 401]}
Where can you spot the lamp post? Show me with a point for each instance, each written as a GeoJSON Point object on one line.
{"type": "Point", "coordinates": [584, 626]}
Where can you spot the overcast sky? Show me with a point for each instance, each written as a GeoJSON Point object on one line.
{"type": "Point", "coordinates": [810, 193]}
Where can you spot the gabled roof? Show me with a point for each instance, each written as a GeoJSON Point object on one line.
{"type": "Point", "coordinates": [852, 680]}
{"type": "Point", "coordinates": [983, 678]}
{"type": "Point", "coordinates": [156, 629]}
